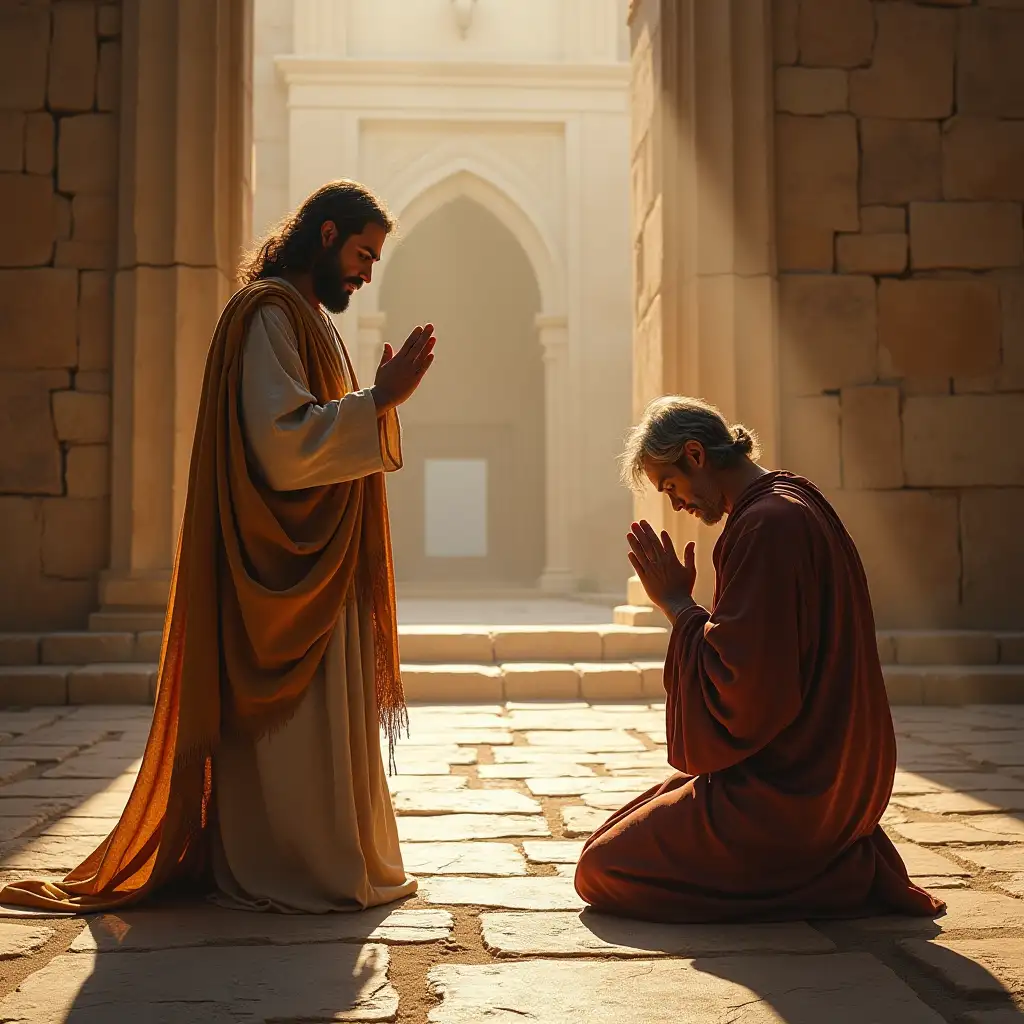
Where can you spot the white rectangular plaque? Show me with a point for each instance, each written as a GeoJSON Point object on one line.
{"type": "Point", "coordinates": [456, 508]}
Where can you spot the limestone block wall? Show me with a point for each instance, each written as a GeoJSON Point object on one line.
{"type": "Point", "coordinates": [59, 91]}
{"type": "Point", "coordinates": [899, 158]}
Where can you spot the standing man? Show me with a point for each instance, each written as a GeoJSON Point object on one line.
{"type": "Point", "coordinates": [777, 717]}
{"type": "Point", "coordinates": [262, 778]}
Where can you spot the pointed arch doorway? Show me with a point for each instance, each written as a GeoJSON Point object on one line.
{"type": "Point", "coordinates": [469, 505]}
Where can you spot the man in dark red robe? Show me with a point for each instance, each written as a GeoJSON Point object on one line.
{"type": "Point", "coordinates": [777, 717]}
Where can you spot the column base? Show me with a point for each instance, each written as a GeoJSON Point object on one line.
{"type": "Point", "coordinates": [147, 588]}
{"type": "Point", "coordinates": [635, 593]}
{"type": "Point", "coordinates": [557, 581]}
{"type": "Point", "coordinates": [638, 615]}
{"type": "Point", "coordinates": [131, 602]}
{"type": "Point", "coordinates": [638, 610]}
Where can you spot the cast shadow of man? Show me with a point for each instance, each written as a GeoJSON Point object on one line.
{"type": "Point", "coordinates": [171, 964]}
{"type": "Point", "coordinates": [797, 973]}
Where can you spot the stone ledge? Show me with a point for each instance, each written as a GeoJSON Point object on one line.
{"type": "Point", "coordinates": [86, 648]}
{"type": "Point", "coordinates": [541, 643]}
{"type": "Point", "coordinates": [127, 620]}
{"type": "Point", "coordinates": [425, 644]}
{"type": "Point", "coordinates": [954, 684]}
{"type": "Point", "coordinates": [540, 680]}
{"type": "Point", "coordinates": [452, 682]}
{"type": "Point", "coordinates": [627, 642]}
{"type": "Point", "coordinates": [120, 683]}
{"type": "Point", "coordinates": [134, 682]}
{"type": "Point", "coordinates": [32, 685]}
{"type": "Point", "coordinates": [19, 648]}
{"type": "Point", "coordinates": [491, 645]}
{"type": "Point", "coordinates": [605, 681]}
{"type": "Point", "coordinates": [420, 645]}
{"type": "Point", "coordinates": [147, 645]}
{"type": "Point", "coordinates": [944, 647]}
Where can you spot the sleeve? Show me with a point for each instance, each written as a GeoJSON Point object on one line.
{"type": "Point", "coordinates": [733, 676]}
{"type": "Point", "coordinates": [294, 441]}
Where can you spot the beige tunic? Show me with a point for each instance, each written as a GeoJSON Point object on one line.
{"type": "Point", "coordinates": [305, 818]}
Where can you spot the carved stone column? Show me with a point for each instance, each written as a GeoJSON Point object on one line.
{"type": "Point", "coordinates": [183, 218]}
{"type": "Point", "coordinates": [554, 339]}
{"type": "Point", "coordinates": [701, 151]}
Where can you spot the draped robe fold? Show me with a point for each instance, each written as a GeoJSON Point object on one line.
{"type": "Point", "coordinates": [262, 773]}
{"type": "Point", "coordinates": [305, 821]}
{"type": "Point", "coordinates": [779, 728]}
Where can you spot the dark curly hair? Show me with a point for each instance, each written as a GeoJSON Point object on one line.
{"type": "Point", "coordinates": [295, 243]}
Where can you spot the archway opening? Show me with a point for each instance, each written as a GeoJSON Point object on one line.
{"type": "Point", "coordinates": [468, 506]}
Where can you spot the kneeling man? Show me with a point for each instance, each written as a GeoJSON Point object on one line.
{"type": "Point", "coordinates": [777, 716]}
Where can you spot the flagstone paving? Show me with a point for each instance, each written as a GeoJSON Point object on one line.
{"type": "Point", "coordinates": [494, 803]}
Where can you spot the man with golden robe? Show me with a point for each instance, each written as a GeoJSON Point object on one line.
{"type": "Point", "coordinates": [777, 719]}
{"type": "Point", "coordinates": [262, 781]}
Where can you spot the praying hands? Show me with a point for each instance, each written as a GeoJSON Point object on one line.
{"type": "Point", "coordinates": [668, 582]}
{"type": "Point", "coordinates": [399, 374]}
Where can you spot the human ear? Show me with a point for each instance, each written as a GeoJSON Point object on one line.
{"type": "Point", "coordinates": [328, 233]}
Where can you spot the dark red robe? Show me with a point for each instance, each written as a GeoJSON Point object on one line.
{"type": "Point", "coordinates": [778, 720]}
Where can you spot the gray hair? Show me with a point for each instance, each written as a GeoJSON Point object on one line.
{"type": "Point", "coordinates": [669, 422]}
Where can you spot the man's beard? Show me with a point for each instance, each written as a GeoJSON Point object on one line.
{"type": "Point", "coordinates": [709, 517]}
{"type": "Point", "coordinates": [328, 284]}
{"type": "Point", "coordinates": [709, 510]}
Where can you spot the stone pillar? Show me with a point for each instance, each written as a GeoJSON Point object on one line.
{"type": "Point", "coordinates": [554, 338]}
{"type": "Point", "coordinates": [704, 297]}
{"type": "Point", "coordinates": [184, 215]}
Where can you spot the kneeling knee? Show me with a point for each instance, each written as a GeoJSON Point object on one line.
{"type": "Point", "coordinates": [593, 873]}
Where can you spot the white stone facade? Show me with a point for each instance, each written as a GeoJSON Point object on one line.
{"type": "Point", "coordinates": [520, 106]}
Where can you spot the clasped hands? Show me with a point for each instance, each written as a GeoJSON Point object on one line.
{"type": "Point", "coordinates": [399, 374]}
{"type": "Point", "coordinates": [668, 582]}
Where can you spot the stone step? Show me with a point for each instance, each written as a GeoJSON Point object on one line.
{"type": "Point", "coordinates": [79, 648]}
{"type": "Point", "coordinates": [126, 620]}
{"type": "Point", "coordinates": [135, 683]}
{"type": "Point", "coordinates": [419, 644]}
{"type": "Point", "coordinates": [954, 684]}
{"type": "Point", "coordinates": [113, 683]}
{"type": "Point", "coordinates": [951, 647]}
{"type": "Point", "coordinates": [481, 644]}
{"type": "Point", "coordinates": [902, 647]}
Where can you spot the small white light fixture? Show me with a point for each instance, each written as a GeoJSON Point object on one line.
{"type": "Point", "coordinates": [463, 10]}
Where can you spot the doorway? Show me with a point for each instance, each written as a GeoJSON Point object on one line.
{"type": "Point", "coordinates": [468, 506]}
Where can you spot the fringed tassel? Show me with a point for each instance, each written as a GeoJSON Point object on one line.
{"type": "Point", "coordinates": [391, 707]}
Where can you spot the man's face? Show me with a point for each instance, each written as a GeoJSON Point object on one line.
{"type": "Point", "coordinates": [340, 270]}
{"type": "Point", "coordinates": [694, 489]}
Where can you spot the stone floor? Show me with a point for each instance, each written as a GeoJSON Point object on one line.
{"type": "Point", "coordinates": [493, 802]}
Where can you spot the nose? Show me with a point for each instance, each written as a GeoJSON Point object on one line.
{"type": "Point", "coordinates": [366, 274]}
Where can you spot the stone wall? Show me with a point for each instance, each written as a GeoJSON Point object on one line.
{"type": "Point", "coordinates": [59, 92]}
{"type": "Point", "coordinates": [899, 141]}
{"type": "Point", "coordinates": [702, 216]}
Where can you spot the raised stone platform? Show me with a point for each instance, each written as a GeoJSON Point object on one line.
{"type": "Point", "coordinates": [452, 662]}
